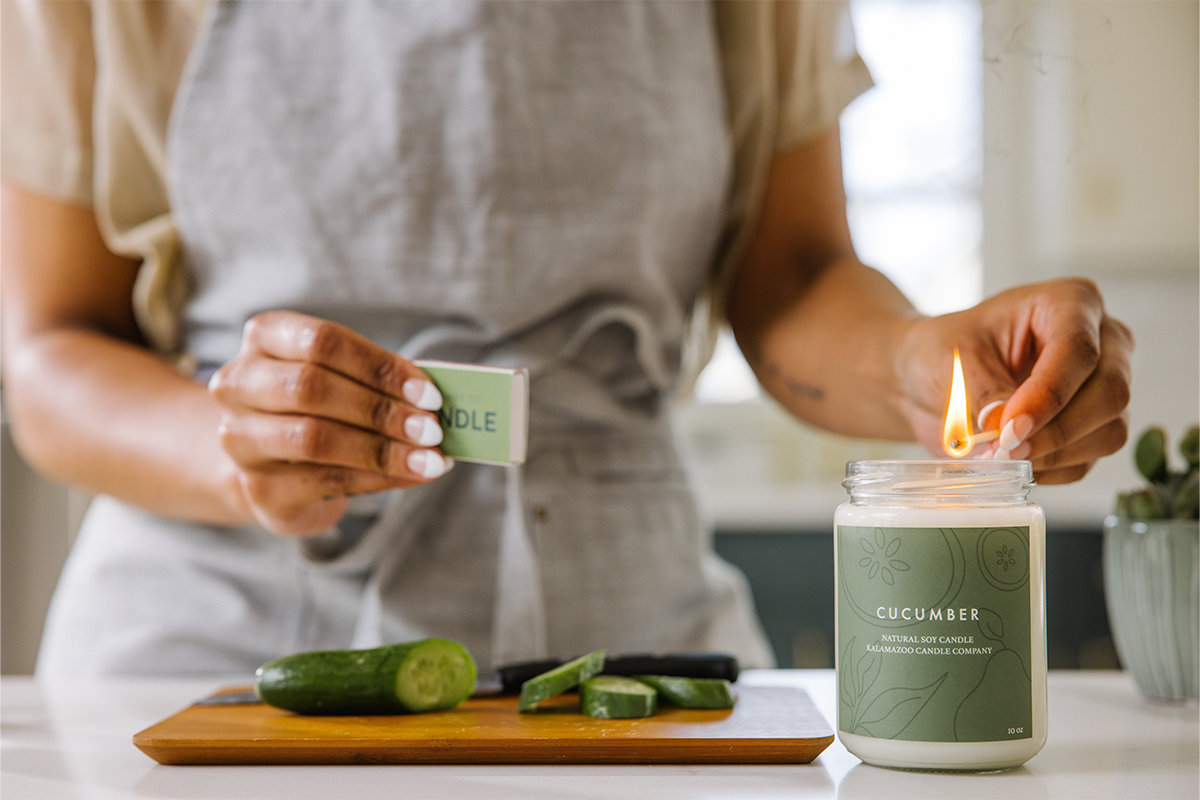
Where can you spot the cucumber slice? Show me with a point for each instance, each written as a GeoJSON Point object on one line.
{"type": "Point", "coordinates": [692, 692]}
{"type": "Point", "coordinates": [411, 677]}
{"type": "Point", "coordinates": [560, 679]}
{"type": "Point", "coordinates": [617, 697]}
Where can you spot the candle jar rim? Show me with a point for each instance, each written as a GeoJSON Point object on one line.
{"type": "Point", "coordinates": [916, 480]}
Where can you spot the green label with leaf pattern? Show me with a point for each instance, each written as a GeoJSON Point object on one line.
{"type": "Point", "coordinates": [934, 639]}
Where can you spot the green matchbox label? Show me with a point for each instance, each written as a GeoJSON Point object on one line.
{"type": "Point", "coordinates": [476, 412]}
{"type": "Point", "coordinates": [934, 633]}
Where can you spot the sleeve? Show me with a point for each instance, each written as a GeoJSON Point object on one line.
{"type": "Point", "coordinates": [47, 73]}
{"type": "Point", "coordinates": [819, 68]}
{"type": "Point", "coordinates": [790, 67]}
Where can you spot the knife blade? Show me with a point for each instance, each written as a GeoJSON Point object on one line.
{"type": "Point", "coordinates": [228, 698]}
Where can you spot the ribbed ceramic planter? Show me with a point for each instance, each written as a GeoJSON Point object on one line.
{"type": "Point", "coordinates": [1152, 588]}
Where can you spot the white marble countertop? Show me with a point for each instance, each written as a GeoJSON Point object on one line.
{"type": "Point", "coordinates": [74, 741]}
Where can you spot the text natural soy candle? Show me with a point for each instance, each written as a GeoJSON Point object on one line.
{"type": "Point", "coordinates": [940, 614]}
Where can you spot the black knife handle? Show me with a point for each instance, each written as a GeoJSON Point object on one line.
{"type": "Point", "coordinates": [683, 665]}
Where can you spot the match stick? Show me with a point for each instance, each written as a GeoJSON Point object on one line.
{"type": "Point", "coordinates": [986, 436]}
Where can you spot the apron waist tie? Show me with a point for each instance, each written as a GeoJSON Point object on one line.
{"type": "Point", "coordinates": [519, 617]}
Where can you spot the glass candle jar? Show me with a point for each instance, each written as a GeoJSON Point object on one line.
{"type": "Point", "coordinates": [940, 614]}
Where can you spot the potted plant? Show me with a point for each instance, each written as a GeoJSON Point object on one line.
{"type": "Point", "coordinates": [1151, 568]}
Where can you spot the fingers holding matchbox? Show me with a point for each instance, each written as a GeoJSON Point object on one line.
{"type": "Point", "coordinates": [484, 413]}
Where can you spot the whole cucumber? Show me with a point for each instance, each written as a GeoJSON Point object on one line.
{"type": "Point", "coordinates": [410, 677]}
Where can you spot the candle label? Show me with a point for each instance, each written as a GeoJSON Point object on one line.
{"type": "Point", "coordinates": [933, 631]}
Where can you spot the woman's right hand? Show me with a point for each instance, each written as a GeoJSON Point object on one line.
{"type": "Point", "coordinates": [314, 414]}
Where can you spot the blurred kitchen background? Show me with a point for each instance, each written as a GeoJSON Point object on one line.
{"type": "Point", "coordinates": [1004, 143]}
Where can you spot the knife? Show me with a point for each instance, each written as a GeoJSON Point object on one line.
{"type": "Point", "coordinates": [228, 698]}
{"type": "Point", "coordinates": [508, 679]}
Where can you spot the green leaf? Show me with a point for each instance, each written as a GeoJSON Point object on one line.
{"type": "Point", "coordinates": [1150, 454]}
{"type": "Point", "coordinates": [1186, 504]}
{"type": "Point", "coordinates": [1190, 446]}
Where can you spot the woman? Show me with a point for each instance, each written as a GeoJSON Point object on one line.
{"type": "Point", "coordinates": [294, 204]}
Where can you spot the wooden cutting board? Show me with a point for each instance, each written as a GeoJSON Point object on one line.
{"type": "Point", "coordinates": [765, 726]}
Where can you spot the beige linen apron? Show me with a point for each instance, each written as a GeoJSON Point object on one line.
{"type": "Point", "coordinates": [521, 183]}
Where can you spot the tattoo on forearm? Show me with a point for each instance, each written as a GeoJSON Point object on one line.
{"type": "Point", "coordinates": [801, 390]}
{"type": "Point", "coordinates": [795, 388]}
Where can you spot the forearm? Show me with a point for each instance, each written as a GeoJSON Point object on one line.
{"type": "Point", "coordinates": [109, 416]}
{"type": "Point", "coordinates": [820, 329]}
{"type": "Point", "coordinates": [823, 342]}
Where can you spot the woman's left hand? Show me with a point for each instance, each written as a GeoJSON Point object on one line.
{"type": "Point", "coordinates": [1054, 367]}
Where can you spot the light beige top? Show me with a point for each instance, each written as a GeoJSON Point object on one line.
{"type": "Point", "coordinates": [88, 89]}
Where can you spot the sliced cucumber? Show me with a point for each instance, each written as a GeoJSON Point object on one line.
{"type": "Point", "coordinates": [692, 692]}
{"type": "Point", "coordinates": [617, 697]}
{"type": "Point", "coordinates": [411, 677]}
{"type": "Point", "coordinates": [560, 679]}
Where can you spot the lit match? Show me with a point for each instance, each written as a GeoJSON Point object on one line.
{"type": "Point", "coordinates": [957, 439]}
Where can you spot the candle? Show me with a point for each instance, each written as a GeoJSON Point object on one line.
{"type": "Point", "coordinates": [940, 610]}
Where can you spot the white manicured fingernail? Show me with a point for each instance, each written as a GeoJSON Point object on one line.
{"type": "Point", "coordinates": [423, 430]}
{"type": "Point", "coordinates": [1002, 455]}
{"type": "Point", "coordinates": [428, 463]}
{"type": "Point", "coordinates": [1008, 437]}
{"type": "Point", "coordinates": [422, 394]}
{"type": "Point", "coordinates": [1016, 431]}
{"type": "Point", "coordinates": [986, 411]}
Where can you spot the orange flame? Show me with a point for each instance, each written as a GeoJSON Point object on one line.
{"type": "Point", "coordinates": [956, 434]}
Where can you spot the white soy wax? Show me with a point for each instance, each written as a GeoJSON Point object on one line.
{"type": "Point", "coordinates": [940, 615]}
